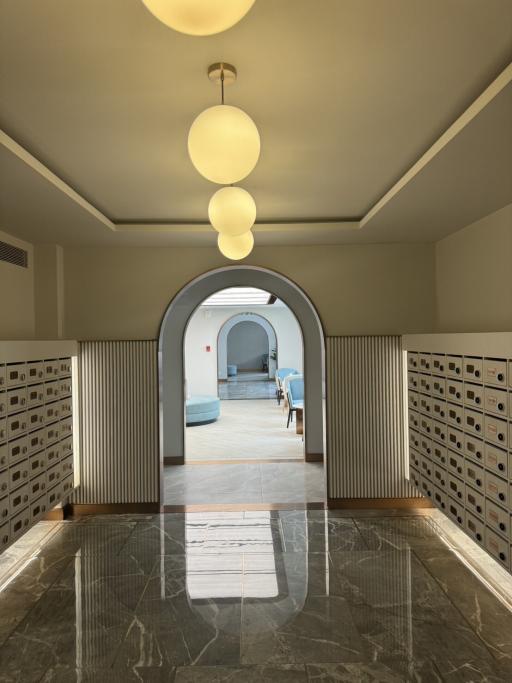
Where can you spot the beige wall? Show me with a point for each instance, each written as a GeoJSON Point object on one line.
{"type": "Point", "coordinates": [48, 291]}
{"type": "Point", "coordinates": [474, 276]}
{"type": "Point", "coordinates": [122, 293]}
{"type": "Point", "coordinates": [17, 294]}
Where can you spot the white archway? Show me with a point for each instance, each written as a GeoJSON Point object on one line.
{"type": "Point", "coordinates": [222, 341]}
{"type": "Point", "coordinates": [171, 353]}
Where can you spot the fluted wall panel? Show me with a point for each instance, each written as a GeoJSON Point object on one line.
{"type": "Point", "coordinates": [365, 418]}
{"type": "Point", "coordinates": [119, 422]}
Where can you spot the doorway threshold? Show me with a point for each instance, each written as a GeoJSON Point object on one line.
{"type": "Point", "coordinates": [241, 507]}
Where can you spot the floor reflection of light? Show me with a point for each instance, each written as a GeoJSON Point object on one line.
{"type": "Point", "coordinates": [15, 574]}
{"type": "Point", "coordinates": [220, 549]}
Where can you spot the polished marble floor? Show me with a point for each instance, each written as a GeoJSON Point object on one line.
{"type": "Point", "coordinates": [248, 385]}
{"type": "Point", "coordinates": [250, 596]}
{"type": "Point", "coordinates": [245, 430]}
{"type": "Point", "coordinates": [262, 482]}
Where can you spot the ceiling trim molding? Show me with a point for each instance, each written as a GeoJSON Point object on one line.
{"type": "Point", "coordinates": [335, 225]}
{"type": "Point", "coordinates": [30, 160]}
{"type": "Point", "coordinates": [464, 119]}
{"type": "Point", "coordinates": [285, 226]}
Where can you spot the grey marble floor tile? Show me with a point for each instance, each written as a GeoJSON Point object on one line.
{"type": "Point", "coordinates": [322, 535]}
{"type": "Point", "coordinates": [65, 674]}
{"type": "Point", "coordinates": [181, 632]}
{"type": "Point", "coordinates": [401, 635]}
{"type": "Point", "coordinates": [72, 539]}
{"type": "Point", "coordinates": [284, 576]}
{"type": "Point", "coordinates": [296, 630]}
{"type": "Point", "coordinates": [352, 673]}
{"type": "Point", "coordinates": [241, 674]}
{"type": "Point", "coordinates": [487, 615]}
{"type": "Point", "coordinates": [474, 671]}
{"type": "Point", "coordinates": [398, 533]}
{"type": "Point", "coordinates": [25, 590]}
{"type": "Point", "coordinates": [115, 519]}
{"type": "Point", "coordinates": [201, 484]}
{"type": "Point", "coordinates": [385, 579]}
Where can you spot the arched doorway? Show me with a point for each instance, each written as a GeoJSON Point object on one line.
{"type": "Point", "coordinates": [171, 353]}
{"type": "Point", "coordinates": [222, 341]}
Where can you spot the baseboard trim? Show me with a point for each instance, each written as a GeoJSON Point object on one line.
{"type": "Point", "coordinates": [314, 457]}
{"type": "Point", "coordinates": [173, 460]}
{"type": "Point", "coordinates": [378, 503]}
{"type": "Point", "coordinates": [58, 514]}
{"type": "Point", "coordinates": [80, 510]}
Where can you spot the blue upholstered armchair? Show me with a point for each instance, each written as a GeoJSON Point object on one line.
{"type": "Point", "coordinates": [281, 373]}
{"type": "Point", "coordinates": [295, 396]}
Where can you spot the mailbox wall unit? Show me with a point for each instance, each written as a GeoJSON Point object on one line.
{"type": "Point", "coordinates": [460, 432]}
{"type": "Point", "coordinates": [37, 450]}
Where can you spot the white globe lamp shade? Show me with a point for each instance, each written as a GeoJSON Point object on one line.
{"type": "Point", "coordinates": [224, 144]}
{"type": "Point", "coordinates": [236, 247]}
{"type": "Point", "coordinates": [199, 17]}
{"type": "Point", "coordinates": [232, 211]}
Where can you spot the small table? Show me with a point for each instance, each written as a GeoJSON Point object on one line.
{"type": "Point", "coordinates": [299, 421]}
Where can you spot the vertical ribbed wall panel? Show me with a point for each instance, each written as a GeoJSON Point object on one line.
{"type": "Point", "coordinates": [365, 418]}
{"type": "Point", "coordinates": [119, 457]}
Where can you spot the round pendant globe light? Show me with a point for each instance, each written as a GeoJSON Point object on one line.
{"type": "Point", "coordinates": [224, 144]}
{"type": "Point", "coordinates": [236, 247]}
{"type": "Point", "coordinates": [199, 17]}
{"type": "Point", "coordinates": [232, 211]}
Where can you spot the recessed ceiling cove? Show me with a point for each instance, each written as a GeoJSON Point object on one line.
{"type": "Point", "coordinates": [348, 94]}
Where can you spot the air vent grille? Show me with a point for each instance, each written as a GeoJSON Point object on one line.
{"type": "Point", "coordinates": [14, 255]}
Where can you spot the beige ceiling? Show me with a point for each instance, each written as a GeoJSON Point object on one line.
{"type": "Point", "coordinates": [347, 94]}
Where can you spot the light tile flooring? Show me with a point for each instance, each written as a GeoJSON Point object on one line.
{"type": "Point", "coordinates": [250, 483]}
{"type": "Point", "coordinates": [248, 385]}
{"type": "Point", "coordinates": [248, 597]}
{"type": "Point", "coordinates": [246, 430]}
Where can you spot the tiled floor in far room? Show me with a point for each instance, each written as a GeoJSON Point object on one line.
{"type": "Point", "coordinates": [248, 597]}
{"type": "Point", "coordinates": [248, 385]}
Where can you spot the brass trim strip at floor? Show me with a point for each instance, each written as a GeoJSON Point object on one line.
{"type": "Point", "coordinates": [246, 461]}
{"type": "Point", "coordinates": [240, 507]}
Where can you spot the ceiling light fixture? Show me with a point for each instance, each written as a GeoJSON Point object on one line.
{"type": "Point", "coordinates": [223, 141]}
{"type": "Point", "coordinates": [236, 247]}
{"type": "Point", "coordinates": [232, 211]}
{"type": "Point", "coordinates": [199, 17]}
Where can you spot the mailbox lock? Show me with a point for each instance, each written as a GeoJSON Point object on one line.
{"type": "Point", "coordinates": [478, 482]}
{"type": "Point", "coordinates": [479, 537]}
{"type": "Point", "coordinates": [501, 466]}
{"type": "Point", "coordinates": [500, 377]}
{"type": "Point", "coordinates": [479, 508]}
{"type": "Point", "coordinates": [501, 406]}
{"type": "Point", "coordinates": [502, 526]}
{"type": "Point", "coordinates": [501, 496]}
{"type": "Point", "coordinates": [502, 557]}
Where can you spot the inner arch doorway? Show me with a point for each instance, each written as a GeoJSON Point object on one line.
{"type": "Point", "coordinates": [222, 341]}
{"type": "Point", "coordinates": [171, 353]}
